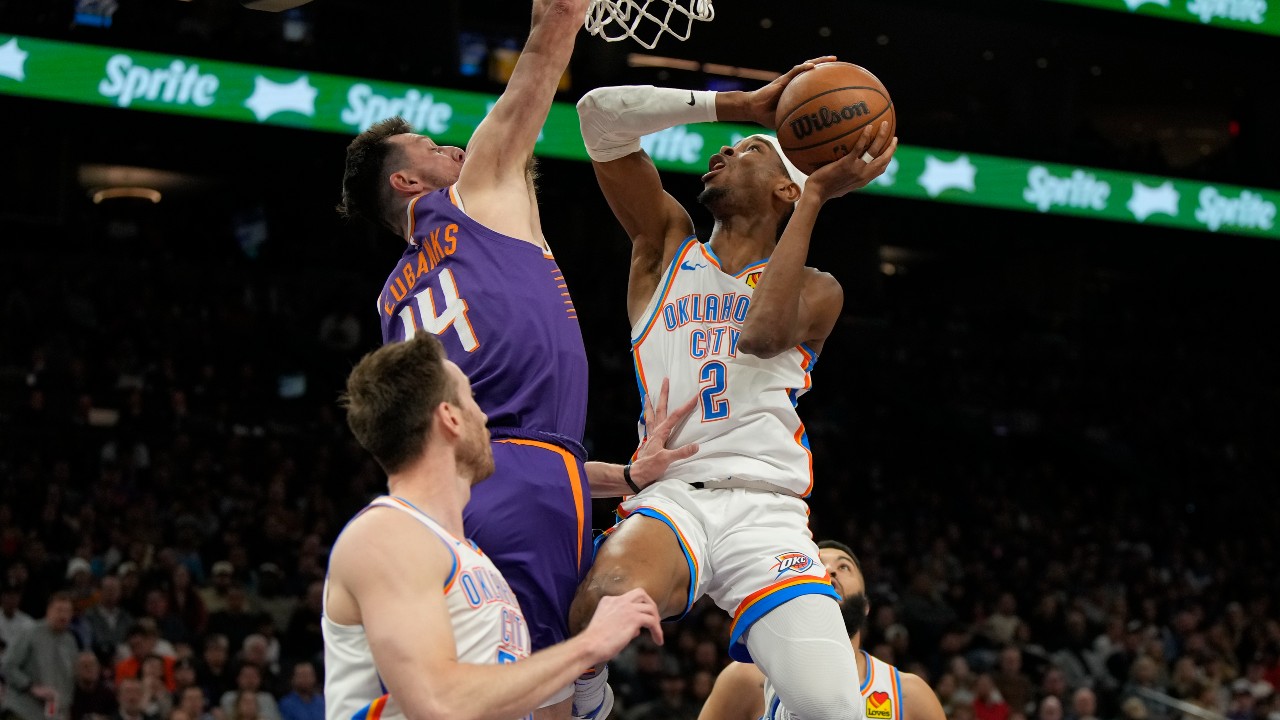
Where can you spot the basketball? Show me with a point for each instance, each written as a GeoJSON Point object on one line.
{"type": "Point", "coordinates": [822, 111]}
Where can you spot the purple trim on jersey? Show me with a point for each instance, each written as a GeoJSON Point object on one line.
{"type": "Point", "coordinates": [511, 325]}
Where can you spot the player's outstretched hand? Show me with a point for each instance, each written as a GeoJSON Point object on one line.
{"type": "Point", "coordinates": [854, 171]}
{"type": "Point", "coordinates": [762, 104]}
{"type": "Point", "coordinates": [655, 457]}
{"type": "Point", "coordinates": [618, 620]}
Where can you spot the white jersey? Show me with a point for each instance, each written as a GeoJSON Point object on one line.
{"type": "Point", "coordinates": [881, 689]}
{"type": "Point", "coordinates": [488, 628]}
{"type": "Point", "coordinates": [746, 424]}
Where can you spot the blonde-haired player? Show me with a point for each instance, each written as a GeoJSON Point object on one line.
{"type": "Point", "coordinates": [418, 623]}
{"type": "Point", "coordinates": [743, 693]}
{"type": "Point", "coordinates": [737, 322]}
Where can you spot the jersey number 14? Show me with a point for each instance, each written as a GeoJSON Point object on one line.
{"type": "Point", "coordinates": [453, 316]}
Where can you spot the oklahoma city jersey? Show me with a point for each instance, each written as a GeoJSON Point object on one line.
{"type": "Point", "coordinates": [881, 690]}
{"type": "Point", "coordinates": [488, 628]}
{"type": "Point", "coordinates": [502, 310]}
{"type": "Point", "coordinates": [746, 424]}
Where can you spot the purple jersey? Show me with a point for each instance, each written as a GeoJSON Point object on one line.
{"type": "Point", "coordinates": [502, 310]}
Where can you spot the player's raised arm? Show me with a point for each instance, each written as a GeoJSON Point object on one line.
{"type": "Point", "coordinates": [401, 605]}
{"type": "Point", "coordinates": [493, 180]}
{"type": "Point", "coordinates": [613, 119]}
{"type": "Point", "coordinates": [793, 304]}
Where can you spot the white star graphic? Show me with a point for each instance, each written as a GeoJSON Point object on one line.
{"type": "Point", "coordinates": [13, 61]}
{"type": "Point", "coordinates": [1148, 201]}
{"type": "Point", "coordinates": [271, 97]}
{"type": "Point", "coordinates": [939, 176]}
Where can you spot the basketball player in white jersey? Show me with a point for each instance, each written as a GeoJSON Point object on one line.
{"type": "Point", "coordinates": [417, 622]}
{"type": "Point", "coordinates": [738, 322]}
{"type": "Point", "coordinates": [743, 693]}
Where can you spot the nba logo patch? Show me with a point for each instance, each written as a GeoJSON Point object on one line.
{"type": "Point", "coordinates": [793, 561]}
{"type": "Point", "coordinates": [753, 279]}
{"type": "Point", "coordinates": [879, 706]}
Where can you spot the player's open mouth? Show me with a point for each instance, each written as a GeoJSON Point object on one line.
{"type": "Point", "coordinates": [716, 165]}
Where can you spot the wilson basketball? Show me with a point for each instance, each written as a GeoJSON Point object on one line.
{"type": "Point", "coordinates": [822, 112]}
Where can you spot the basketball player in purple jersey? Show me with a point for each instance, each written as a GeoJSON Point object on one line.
{"type": "Point", "coordinates": [478, 274]}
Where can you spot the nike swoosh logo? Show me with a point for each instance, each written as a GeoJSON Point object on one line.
{"type": "Point", "coordinates": [687, 266]}
{"type": "Point", "coordinates": [691, 97]}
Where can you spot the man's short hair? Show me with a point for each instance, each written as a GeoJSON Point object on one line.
{"type": "Point", "coordinates": [837, 545]}
{"type": "Point", "coordinates": [364, 181]}
{"type": "Point", "coordinates": [391, 398]}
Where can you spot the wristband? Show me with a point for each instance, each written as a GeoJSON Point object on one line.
{"type": "Point", "coordinates": [626, 475]}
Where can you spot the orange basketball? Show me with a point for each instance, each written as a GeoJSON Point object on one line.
{"type": "Point", "coordinates": [822, 111]}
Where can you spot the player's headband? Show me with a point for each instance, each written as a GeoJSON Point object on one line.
{"type": "Point", "coordinates": [797, 177]}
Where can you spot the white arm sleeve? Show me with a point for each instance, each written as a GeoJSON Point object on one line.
{"type": "Point", "coordinates": [613, 119]}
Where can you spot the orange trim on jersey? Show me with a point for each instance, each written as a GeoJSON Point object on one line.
{"type": "Point", "coordinates": [575, 480]}
{"type": "Point", "coordinates": [751, 268]}
{"type": "Point", "coordinates": [413, 217]}
{"type": "Point", "coordinates": [710, 258]}
{"type": "Point", "coordinates": [761, 594]}
{"type": "Point", "coordinates": [896, 695]}
{"type": "Point", "coordinates": [453, 196]}
{"type": "Point", "coordinates": [376, 708]}
{"type": "Point", "coordinates": [871, 674]}
{"type": "Point", "coordinates": [799, 437]}
{"type": "Point", "coordinates": [457, 559]}
{"type": "Point", "coordinates": [807, 361]}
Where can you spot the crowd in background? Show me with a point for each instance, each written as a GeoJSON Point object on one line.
{"type": "Point", "coordinates": [1060, 513]}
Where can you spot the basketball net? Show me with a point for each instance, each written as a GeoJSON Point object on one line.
{"type": "Point", "coordinates": [646, 21]}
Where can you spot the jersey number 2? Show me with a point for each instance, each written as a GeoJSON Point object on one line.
{"type": "Point", "coordinates": [454, 314]}
{"type": "Point", "coordinates": [714, 407]}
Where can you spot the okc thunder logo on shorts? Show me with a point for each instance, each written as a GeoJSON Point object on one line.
{"type": "Point", "coordinates": [793, 561]}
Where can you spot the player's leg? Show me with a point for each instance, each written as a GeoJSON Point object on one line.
{"type": "Point", "coordinates": [786, 616]}
{"type": "Point", "coordinates": [801, 646]}
{"type": "Point", "coordinates": [657, 547]}
{"type": "Point", "coordinates": [531, 518]}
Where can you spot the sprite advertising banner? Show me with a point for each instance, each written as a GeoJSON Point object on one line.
{"type": "Point", "coordinates": [1251, 15]}
{"type": "Point", "coordinates": [130, 80]}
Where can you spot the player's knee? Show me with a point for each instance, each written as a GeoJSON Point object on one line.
{"type": "Point", "coordinates": [604, 580]}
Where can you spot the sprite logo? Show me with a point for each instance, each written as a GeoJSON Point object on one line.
{"type": "Point", "coordinates": [677, 144]}
{"type": "Point", "coordinates": [1250, 211]}
{"type": "Point", "coordinates": [177, 84]}
{"type": "Point", "coordinates": [1081, 190]}
{"type": "Point", "coordinates": [366, 107]}
{"type": "Point", "coordinates": [1250, 11]}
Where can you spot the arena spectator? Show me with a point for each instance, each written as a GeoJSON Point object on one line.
{"type": "Point", "coordinates": [39, 668]}
{"type": "Point", "coordinates": [144, 642]}
{"type": "Point", "coordinates": [249, 682]}
{"type": "Point", "coordinates": [214, 670]}
{"type": "Point", "coordinates": [305, 701]}
{"type": "Point", "coordinates": [93, 699]}
{"type": "Point", "coordinates": [108, 623]}
{"type": "Point", "coordinates": [13, 622]}
{"type": "Point", "coordinates": [192, 702]}
{"type": "Point", "coordinates": [130, 701]}
{"type": "Point", "coordinates": [988, 703]}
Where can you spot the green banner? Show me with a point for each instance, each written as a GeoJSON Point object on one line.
{"type": "Point", "coordinates": [95, 75]}
{"type": "Point", "coordinates": [1250, 15]}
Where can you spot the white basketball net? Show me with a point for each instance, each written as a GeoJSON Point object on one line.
{"type": "Point", "coordinates": [646, 21]}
